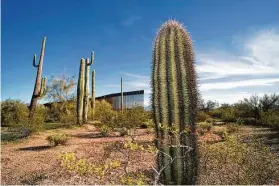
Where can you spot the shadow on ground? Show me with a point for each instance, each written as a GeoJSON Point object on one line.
{"type": "Point", "coordinates": [91, 135]}
{"type": "Point", "coordinates": [35, 148]}
{"type": "Point", "coordinates": [268, 136]}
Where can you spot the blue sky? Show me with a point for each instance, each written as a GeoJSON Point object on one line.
{"type": "Point", "coordinates": [236, 43]}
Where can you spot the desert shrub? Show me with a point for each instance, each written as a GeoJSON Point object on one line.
{"type": "Point", "coordinates": [228, 115]}
{"type": "Point", "coordinates": [13, 112]}
{"type": "Point", "coordinates": [216, 113]}
{"type": "Point", "coordinates": [205, 126]}
{"type": "Point", "coordinates": [57, 139]}
{"type": "Point", "coordinates": [209, 120]}
{"type": "Point", "coordinates": [233, 162]}
{"type": "Point", "coordinates": [131, 118]}
{"type": "Point", "coordinates": [81, 166]}
{"type": "Point", "coordinates": [222, 132]}
{"type": "Point", "coordinates": [105, 130]}
{"type": "Point", "coordinates": [123, 131]}
{"type": "Point", "coordinates": [37, 121]}
{"type": "Point", "coordinates": [104, 112]}
{"type": "Point", "coordinates": [232, 128]}
{"type": "Point", "coordinates": [134, 179]}
{"type": "Point", "coordinates": [202, 116]}
{"type": "Point", "coordinates": [270, 119]}
{"type": "Point", "coordinates": [68, 118]}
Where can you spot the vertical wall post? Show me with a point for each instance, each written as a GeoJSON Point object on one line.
{"type": "Point", "coordinates": [122, 108]}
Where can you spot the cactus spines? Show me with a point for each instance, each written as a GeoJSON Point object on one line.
{"type": "Point", "coordinates": [93, 93]}
{"type": "Point", "coordinates": [80, 92]}
{"type": "Point", "coordinates": [122, 108]}
{"type": "Point", "coordinates": [39, 91]}
{"type": "Point", "coordinates": [174, 103]}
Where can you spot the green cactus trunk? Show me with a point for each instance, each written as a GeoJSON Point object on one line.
{"type": "Point", "coordinates": [83, 89]}
{"type": "Point", "coordinates": [80, 93]}
{"type": "Point", "coordinates": [40, 83]}
{"type": "Point", "coordinates": [174, 102]}
{"type": "Point", "coordinates": [93, 93]}
{"type": "Point", "coordinates": [86, 91]}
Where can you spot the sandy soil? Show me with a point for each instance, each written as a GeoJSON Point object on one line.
{"type": "Point", "coordinates": [33, 161]}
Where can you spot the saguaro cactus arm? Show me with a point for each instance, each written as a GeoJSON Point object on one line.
{"type": "Point", "coordinates": [34, 61]}
{"type": "Point", "coordinates": [88, 63]}
{"type": "Point", "coordinates": [43, 89]}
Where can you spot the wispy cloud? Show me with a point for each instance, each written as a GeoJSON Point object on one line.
{"type": "Point", "coordinates": [236, 84]}
{"type": "Point", "coordinates": [130, 21]}
{"type": "Point", "coordinates": [135, 75]}
{"type": "Point", "coordinates": [260, 56]}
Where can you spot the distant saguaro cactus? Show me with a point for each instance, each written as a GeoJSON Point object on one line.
{"type": "Point", "coordinates": [86, 86]}
{"type": "Point", "coordinates": [80, 92]}
{"type": "Point", "coordinates": [40, 83]}
{"type": "Point", "coordinates": [174, 104]}
{"type": "Point", "coordinates": [93, 93]}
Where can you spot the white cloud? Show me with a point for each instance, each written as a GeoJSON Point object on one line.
{"type": "Point", "coordinates": [260, 56]}
{"type": "Point", "coordinates": [236, 84]}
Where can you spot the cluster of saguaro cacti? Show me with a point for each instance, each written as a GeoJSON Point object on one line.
{"type": "Point", "coordinates": [83, 89]}
{"type": "Point", "coordinates": [174, 102]}
{"type": "Point", "coordinates": [40, 83]}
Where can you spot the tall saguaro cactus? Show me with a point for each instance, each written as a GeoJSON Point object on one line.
{"type": "Point", "coordinates": [93, 93]}
{"type": "Point", "coordinates": [83, 89]}
{"type": "Point", "coordinates": [122, 107]}
{"type": "Point", "coordinates": [80, 93]}
{"type": "Point", "coordinates": [86, 86]}
{"type": "Point", "coordinates": [174, 104]}
{"type": "Point", "coordinates": [40, 83]}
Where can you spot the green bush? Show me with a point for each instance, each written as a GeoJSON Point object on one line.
{"type": "Point", "coordinates": [37, 121]}
{"type": "Point", "coordinates": [57, 139]}
{"type": "Point", "coordinates": [233, 162]}
{"type": "Point", "coordinates": [202, 116]}
{"type": "Point", "coordinates": [270, 119]}
{"type": "Point", "coordinates": [131, 118]}
{"type": "Point", "coordinates": [13, 112]}
{"type": "Point", "coordinates": [228, 115]}
{"type": "Point", "coordinates": [104, 113]}
{"type": "Point", "coordinates": [205, 126]}
{"type": "Point", "coordinates": [216, 113]}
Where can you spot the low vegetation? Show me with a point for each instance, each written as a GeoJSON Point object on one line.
{"type": "Point", "coordinates": [57, 139]}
